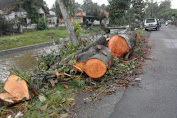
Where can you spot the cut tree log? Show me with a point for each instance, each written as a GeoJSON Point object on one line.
{"type": "Point", "coordinates": [6, 99]}
{"type": "Point", "coordinates": [138, 36]}
{"type": "Point", "coordinates": [101, 41]}
{"type": "Point", "coordinates": [95, 61]}
{"type": "Point", "coordinates": [17, 87]}
{"type": "Point", "coordinates": [121, 44]}
{"type": "Point", "coordinates": [96, 66]}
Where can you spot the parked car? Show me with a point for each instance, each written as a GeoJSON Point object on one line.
{"type": "Point", "coordinates": [151, 23]}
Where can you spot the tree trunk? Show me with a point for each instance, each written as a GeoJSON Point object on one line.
{"type": "Point", "coordinates": [68, 23]}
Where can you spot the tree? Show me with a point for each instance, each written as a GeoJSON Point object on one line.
{"type": "Point", "coordinates": [117, 10]}
{"type": "Point", "coordinates": [137, 13]}
{"type": "Point", "coordinates": [64, 10]}
{"type": "Point", "coordinates": [57, 10]}
{"type": "Point", "coordinates": [94, 9]}
{"type": "Point", "coordinates": [151, 10]}
{"type": "Point", "coordinates": [164, 10]}
{"type": "Point", "coordinates": [31, 7]}
{"type": "Point", "coordinates": [5, 26]}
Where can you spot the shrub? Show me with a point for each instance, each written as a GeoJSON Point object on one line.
{"type": "Point", "coordinates": [42, 24]}
{"type": "Point", "coordinates": [5, 26]}
{"type": "Point", "coordinates": [77, 28]}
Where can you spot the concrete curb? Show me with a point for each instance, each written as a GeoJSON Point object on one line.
{"type": "Point", "coordinates": [34, 46]}
{"type": "Point", "coordinates": [25, 48]}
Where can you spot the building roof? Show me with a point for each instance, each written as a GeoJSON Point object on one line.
{"type": "Point", "coordinates": [80, 14]}
{"type": "Point", "coordinates": [89, 16]}
{"type": "Point", "coordinates": [50, 16]}
{"type": "Point", "coordinates": [8, 5]}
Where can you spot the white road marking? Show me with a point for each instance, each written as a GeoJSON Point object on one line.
{"type": "Point", "coordinates": [170, 43]}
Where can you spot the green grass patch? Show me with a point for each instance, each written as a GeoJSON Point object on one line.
{"type": "Point", "coordinates": [32, 37]}
{"type": "Point", "coordinates": [142, 32]}
{"type": "Point", "coordinates": [91, 30]}
{"type": "Point", "coordinates": [35, 36]}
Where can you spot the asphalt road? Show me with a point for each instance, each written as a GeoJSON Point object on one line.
{"type": "Point", "coordinates": [157, 95]}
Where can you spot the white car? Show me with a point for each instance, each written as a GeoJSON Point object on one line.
{"type": "Point", "coordinates": [151, 23]}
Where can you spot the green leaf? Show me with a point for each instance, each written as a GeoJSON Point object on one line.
{"type": "Point", "coordinates": [42, 98]}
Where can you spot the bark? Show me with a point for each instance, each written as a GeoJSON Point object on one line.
{"type": "Point", "coordinates": [68, 23]}
{"type": "Point", "coordinates": [101, 41]}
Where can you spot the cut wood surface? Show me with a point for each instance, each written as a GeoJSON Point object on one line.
{"type": "Point", "coordinates": [121, 44]}
{"type": "Point", "coordinates": [17, 87]}
{"type": "Point", "coordinates": [6, 99]}
{"type": "Point", "coordinates": [138, 36]}
{"type": "Point", "coordinates": [118, 46]}
{"type": "Point", "coordinates": [96, 66]}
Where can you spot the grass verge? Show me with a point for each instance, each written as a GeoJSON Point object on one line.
{"type": "Point", "coordinates": [34, 37]}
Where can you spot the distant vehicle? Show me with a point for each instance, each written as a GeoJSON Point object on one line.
{"type": "Point", "coordinates": [166, 23]}
{"type": "Point", "coordinates": [151, 23]}
{"type": "Point", "coordinates": [169, 21]}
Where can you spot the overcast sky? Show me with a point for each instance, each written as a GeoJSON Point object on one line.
{"type": "Point", "coordinates": [51, 2]}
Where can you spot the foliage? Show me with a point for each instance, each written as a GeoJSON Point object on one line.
{"type": "Point", "coordinates": [57, 10]}
{"type": "Point", "coordinates": [71, 7]}
{"type": "Point", "coordinates": [136, 13]}
{"type": "Point", "coordinates": [77, 28]}
{"type": "Point", "coordinates": [32, 7]}
{"type": "Point", "coordinates": [162, 10]}
{"type": "Point", "coordinates": [42, 24]}
{"type": "Point", "coordinates": [5, 26]}
{"type": "Point", "coordinates": [56, 103]}
{"type": "Point", "coordinates": [117, 10]}
{"type": "Point", "coordinates": [94, 9]}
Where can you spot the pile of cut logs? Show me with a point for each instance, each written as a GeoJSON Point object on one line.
{"type": "Point", "coordinates": [96, 60]}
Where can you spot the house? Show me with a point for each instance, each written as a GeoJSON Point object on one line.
{"type": "Point", "coordinates": [80, 16]}
{"type": "Point", "coordinates": [10, 10]}
{"type": "Point", "coordinates": [51, 17]}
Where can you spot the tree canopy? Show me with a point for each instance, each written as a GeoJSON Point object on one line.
{"type": "Point", "coordinates": [162, 10]}
{"type": "Point", "coordinates": [117, 10]}
{"type": "Point", "coordinates": [32, 7]}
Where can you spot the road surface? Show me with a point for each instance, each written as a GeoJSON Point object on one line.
{"type": "Point", "coordinates": [157, 95]}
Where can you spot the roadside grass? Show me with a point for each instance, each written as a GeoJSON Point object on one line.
{"type": "Point", "coordinates": [142, 32]}
{"type": "Point", "coordinates": [31, 37]}
{"type": "Point", "coordinates": [91, 30]}
{"type": "Point", "coordinates": [35, 36]}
